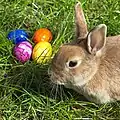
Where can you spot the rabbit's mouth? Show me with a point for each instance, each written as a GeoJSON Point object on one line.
{"type": "Point", "coordinates": [59, 77]}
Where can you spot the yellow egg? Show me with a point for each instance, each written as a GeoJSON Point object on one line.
{"type": "Point", "coordinates": [42, 52]}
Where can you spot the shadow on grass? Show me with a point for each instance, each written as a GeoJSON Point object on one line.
{"type": "Point", "coordinates": [34, 77]}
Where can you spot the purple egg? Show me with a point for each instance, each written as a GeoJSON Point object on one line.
{"type": "Point", "coordinates": [23, 51]}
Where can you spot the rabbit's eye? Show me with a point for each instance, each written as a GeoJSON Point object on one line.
{"type": "Point", "coordinates": [72, 64]}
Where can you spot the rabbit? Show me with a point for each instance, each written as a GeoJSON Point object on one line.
{"type": "Point", "coordinates": [90, 64]}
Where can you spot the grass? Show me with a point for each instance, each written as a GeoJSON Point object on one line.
{"type": "Point", "coordinates": [25, 90]}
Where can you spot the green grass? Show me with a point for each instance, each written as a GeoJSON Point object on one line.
{"type": "Point", "coordinates": [25, 90]}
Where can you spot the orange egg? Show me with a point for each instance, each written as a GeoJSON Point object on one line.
{"type": "Point", "coordinates": [42, 34]}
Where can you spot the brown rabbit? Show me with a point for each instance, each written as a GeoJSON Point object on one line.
{"type": "Point", "coordinates": [91, 64]}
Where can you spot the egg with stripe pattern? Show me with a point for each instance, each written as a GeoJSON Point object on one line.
{"type": "Point", "coordinates": [23, 51]}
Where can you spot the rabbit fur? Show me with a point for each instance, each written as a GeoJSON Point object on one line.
{"type": "Point", "coordinates": [90, 65]}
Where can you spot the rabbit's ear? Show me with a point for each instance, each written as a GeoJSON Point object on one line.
{"type": "Point", "coordinates": [96, 39]}
{"type": "Point", "coordinates": [81, 26]}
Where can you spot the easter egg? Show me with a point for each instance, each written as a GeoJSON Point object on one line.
{"type": "Point", "coordinates": [23, 51]}
{"type": "Point", "coordinates": [42, 34]}
{"type": "Point", "coordinates": [17, 36]}
{"type": "Point", "coordinates": [42, 52]}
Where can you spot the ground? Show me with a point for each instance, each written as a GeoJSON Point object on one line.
{"type": "Point", "coordinates": [25, 89]}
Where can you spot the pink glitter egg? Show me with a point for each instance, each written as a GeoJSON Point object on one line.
{"type": "Point", "coordinates": [23, 51]}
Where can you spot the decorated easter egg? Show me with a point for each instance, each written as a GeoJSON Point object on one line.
{"type": "Point", "coordinates": [22, 51]}
{"type": "Point", "coordinates": [42, 52]}
{"type": "Point", "coordinates": [42, 34]}
{"type": "Point", "coordinates": [17, 36]}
